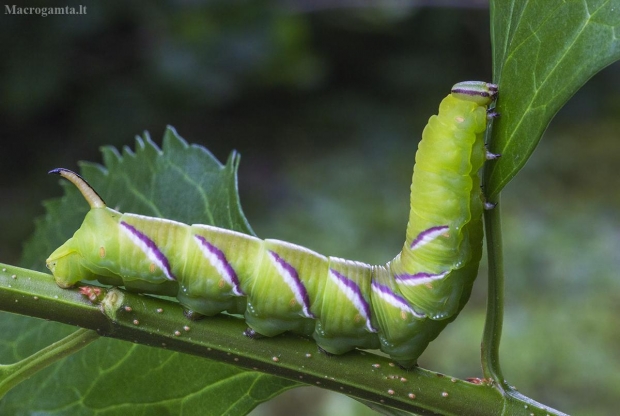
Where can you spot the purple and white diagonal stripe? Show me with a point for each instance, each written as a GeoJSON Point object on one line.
{"type": "Point", "coordinates": [427, 236]}
{"type": "Point", "coordinates": [352, 291]}
{"type": "Point", "coordinates": [421, 278]}
{"type": "Point", "coordinates": [393, 299]}
{"type": "Point", "coordinates": [218, 260]}
{"type": "Point", "coordinates": [149, 248]}
{"type": "Point", "coordinates": [291, 278]}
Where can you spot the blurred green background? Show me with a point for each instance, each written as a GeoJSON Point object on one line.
{"type": "Point", "coordinates": [326, 102]}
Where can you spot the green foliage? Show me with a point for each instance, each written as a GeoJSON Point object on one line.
{"type": "Point", "coordinates": [111, 377]}
{"type": "Point", "coordinates": [150, 182]}
{"type": "Point", "coordinates": [543, 52]}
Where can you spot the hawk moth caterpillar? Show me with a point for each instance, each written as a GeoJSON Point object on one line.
{"type": "Point", "coordinates": [398, 307]}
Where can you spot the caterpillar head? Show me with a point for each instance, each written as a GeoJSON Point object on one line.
{"type": "Point", "coordinates": [67, 265]}
{"type": "Point", "coordinates": [479, 92]}
{"type": "Point", "coordinates": [69, 262]}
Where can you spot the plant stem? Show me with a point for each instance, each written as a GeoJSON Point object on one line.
{"type": "Point", "coordinates": [495, 299]}
{"type": "Point", "coordinates": [491, 337]}
{"type": "Point", "coordinates": [13, 374]}
{"type": "Point", "coordinates": [161, 323]}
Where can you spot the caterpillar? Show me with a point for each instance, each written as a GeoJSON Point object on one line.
{"type": "Point", "coordinates": [398, 307]}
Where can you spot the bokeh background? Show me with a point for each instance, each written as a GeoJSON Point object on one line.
{"type": "Point", "coordinates": [326, 101]}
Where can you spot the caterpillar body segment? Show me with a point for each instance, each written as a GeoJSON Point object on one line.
{"type": "Point", "coordinates": [398, 307]}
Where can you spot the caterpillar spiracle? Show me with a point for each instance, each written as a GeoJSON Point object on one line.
{"type": "Point", "coordinates": [398, 307]}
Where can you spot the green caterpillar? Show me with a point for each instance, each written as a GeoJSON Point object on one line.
{"type": "Point", "coordinates": [398, 307]}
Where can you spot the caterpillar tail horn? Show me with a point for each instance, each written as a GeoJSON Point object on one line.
{"type": "Point", "coordinates": [90, 195]}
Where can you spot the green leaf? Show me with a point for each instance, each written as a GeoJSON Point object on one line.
{"type": "Point", "coordinates": [111, 376]}
{"type": "Point", "coordinates": [148, 181]}
{"type": "Point", "coordinates": [543, 51]}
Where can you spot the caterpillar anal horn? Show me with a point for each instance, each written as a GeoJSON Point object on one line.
{"type": "Point", "coordinates": [89, 194]}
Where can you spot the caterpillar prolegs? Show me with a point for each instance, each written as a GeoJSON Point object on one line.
{"type": "Point", "coordinates": [398, 307]}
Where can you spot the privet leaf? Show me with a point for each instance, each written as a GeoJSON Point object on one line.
{"type": "Point", "coordinates": [112, 376]}
{"type": "Point", "coordinates": [543, 51]}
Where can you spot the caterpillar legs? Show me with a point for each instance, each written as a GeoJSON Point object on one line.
{"type": "Point", "coordinates": [485, 203]}
{"type": "Point", "coordinates": [492, 114]}
{"type": "Point", "coordinates": [492, 156]}
{"type": "Point", "coordinates": [489, 205]}
{"type": "Point", "coordinates": [252, 334]}
{"type": "Point", "coordinates": [325, 352]}
{"type": "Point", "coordinates": [192, 315]}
